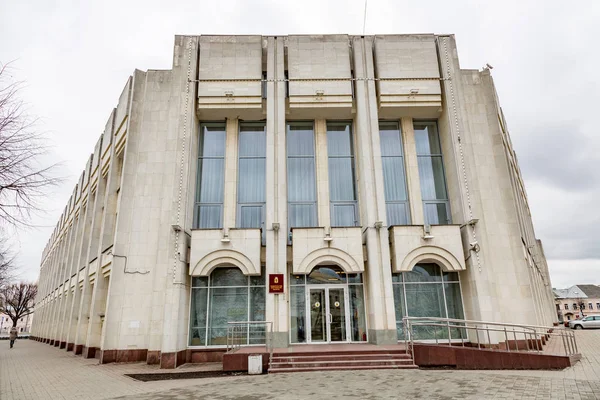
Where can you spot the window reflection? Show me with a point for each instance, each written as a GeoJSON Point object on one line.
{"type": "Point", "coordinates": [226, 296]}
{"type": "Point", "coordinates": [426, 291]}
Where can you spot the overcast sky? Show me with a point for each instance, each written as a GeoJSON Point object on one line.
{"type": "Point", "coordinates": [75, 58]}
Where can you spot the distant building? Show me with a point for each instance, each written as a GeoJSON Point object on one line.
{"type": "Point", "coordinates": [576, 300]}
{"type": "Point", "coordinates": [23, 325]}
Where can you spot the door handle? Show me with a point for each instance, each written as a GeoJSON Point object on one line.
{"type": "Point", "coordinates": [330, 317]}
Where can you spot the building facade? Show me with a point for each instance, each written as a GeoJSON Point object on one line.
{"type": "Point", "coordinates": [576, 301]}
{"type": "Point", "coordinates": [369, 177]}
{"type": "Point", "coordinates": [23, 324]}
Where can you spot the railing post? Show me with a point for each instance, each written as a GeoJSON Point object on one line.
{"type": "Point", "coordinates": [487, 329]}
{"type": "Point", "coordinates": [564, 343]}
{"type": "Point", "coordinates": [506, 339]}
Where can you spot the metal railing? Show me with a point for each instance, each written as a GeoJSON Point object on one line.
{"type": "Point", "coordinates": [250, 333]}
{"type": "Point", "coordinates": [489, 335]}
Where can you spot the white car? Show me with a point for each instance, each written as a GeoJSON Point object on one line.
{"type": "Point", "coordinates": [589, 322]}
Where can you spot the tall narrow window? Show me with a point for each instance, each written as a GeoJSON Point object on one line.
{"type": "Point", "coordinates": [302, 194]}
{"type": "Point", "coordinates": [342, 190]}
{"type": "Point", "coordinates": [251, 176]}
{"type": "Point", "coordinates": [208, 210]}
{"type": "Point", "coordinates": [436, 206]}
{"type": "Point", "coordinates": [394, 177]}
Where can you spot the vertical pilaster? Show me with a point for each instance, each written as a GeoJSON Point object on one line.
{"type": "Point", "coordinates": [183, 128]}
{"type": "Point", "coordinates": [69, 294]}
{"type": "Point", "coordinates": [322, 173]}
{"type": "Point", "coordinates": [231, 151]}
{"type": "Point", "coordinates": [106, 240]}
{"type": "Point", "coordinates": [378, 277]}
{"type": "Point", "coordinates": [276, 177]}
{"type": "Point", "coordinates": [84, 315]}
{"type": "Point", "coordinates": [79, 262]}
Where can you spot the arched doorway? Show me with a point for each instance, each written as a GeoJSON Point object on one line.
{"type": "Point", "coordinates": [327, 306]}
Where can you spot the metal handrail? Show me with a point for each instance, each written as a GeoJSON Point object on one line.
{"type": "Point", "coordinates": [476, 322]}
{"type": "Point", "coordinates": [238, 335]}
{"type": "Point", "coordinates": [531, 334]}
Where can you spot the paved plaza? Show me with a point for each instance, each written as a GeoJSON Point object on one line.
{"type": "Point", "coordinates": [32, 370]}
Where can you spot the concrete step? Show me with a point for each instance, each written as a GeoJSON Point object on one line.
{"type": "Point", "coordinates": [336, 352]}
{"type": "Point", "coordinates": [351, 357]}
{"type": "Point", "coordinates": [339, 363]}
{"type": "Point", "coordinates": [339, 368]}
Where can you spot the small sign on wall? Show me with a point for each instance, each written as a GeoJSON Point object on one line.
{"type": "Point", "coordinates": [275, 283]}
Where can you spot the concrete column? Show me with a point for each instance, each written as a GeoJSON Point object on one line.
{"type": "Point", "coordinates": [61, 271]}
{"type": "Point", "coordinates": [231, 165]}
{"type": "Point", "coordinates": [411, 166]}
{"type": "Point", "coordinates": [378, 276]}
{"type": "Point", "coordinates": [69, 294]}
{"type": "Point", "coordinates": [96, 203]}
{"type": "Point", "coordinates": [48, 268]}
{"type": "Point", "coordinates": [276, 183]}
{"type": "Point", "coordinates": [106, 239]}
{"type": "Point", "coordinates": [80, 261]}
{"type": "Point", "coordinates": [322, 172]}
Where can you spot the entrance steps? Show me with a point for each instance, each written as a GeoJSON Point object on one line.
{"type": "Point", "coordinates": [340, 360]}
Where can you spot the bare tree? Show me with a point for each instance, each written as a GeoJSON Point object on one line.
{"type": "Point", "coordinates": [18, 300]}
{"type": "Point", "coordinates": [6, 265]}
{"type": "Point", "coordinates": [23, 177]}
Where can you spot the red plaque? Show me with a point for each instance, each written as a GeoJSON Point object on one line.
{"type": "Point", "coordinates": [275, 283]}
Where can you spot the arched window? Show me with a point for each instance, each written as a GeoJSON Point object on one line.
{"type": "Point", "coordinates": [427, 291]}
{"type": "Point", "coordinates": [227, 295]}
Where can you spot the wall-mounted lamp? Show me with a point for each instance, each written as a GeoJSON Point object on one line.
{"type": "Point", "coordinates": [328, 237]}
{"type": "Point", "coordinates": [225, 238]}
{"type": "Point", "coordinates": [176, 227]}
{"type": "Point", "coordinates": [427, 232]}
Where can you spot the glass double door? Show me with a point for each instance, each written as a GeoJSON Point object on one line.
{"type": "Point", "coordinates": [328, 311]}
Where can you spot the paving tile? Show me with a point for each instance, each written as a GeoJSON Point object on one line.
{"type": "Point", "coordinates": [32, 370]}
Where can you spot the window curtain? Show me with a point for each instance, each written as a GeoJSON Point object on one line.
{"type": "Point", "coordinates": [251, 176]}
{"type": "Point", "coordinates": [210, 183]}
{"type": "Point", "coordinates": [302, 196]}
{"type": "Point", "coordinates": [431, 174]}
{"type": "Point", "coordinates": [342, 190]}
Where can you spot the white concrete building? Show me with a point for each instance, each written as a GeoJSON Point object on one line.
{"type": "Point", "coordinates": [372, 173]}
{"type": "Point", "coordinates": [23, 324]}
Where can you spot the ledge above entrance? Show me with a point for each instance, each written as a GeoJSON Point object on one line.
{"type": "Point", "coordinates": [337, 246]}
{"type": "Point", "coordinates": [442, 246]}
{"type": "Point", "coordinates": [211, 248]}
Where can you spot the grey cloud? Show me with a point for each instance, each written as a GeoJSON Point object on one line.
{"type": "Point", "coordinates": [560, 154]}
